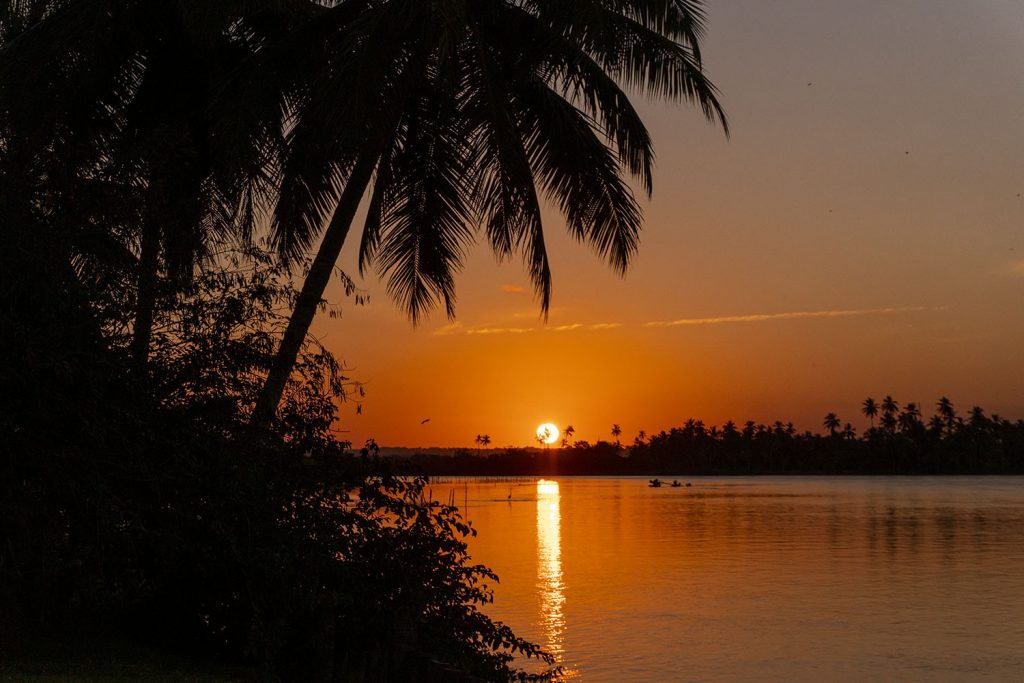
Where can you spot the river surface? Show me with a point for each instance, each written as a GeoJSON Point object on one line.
{"type": "Point", "coordinates": [768, 579]}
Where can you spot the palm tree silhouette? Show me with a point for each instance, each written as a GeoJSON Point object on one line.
{"type": "Point", "coordinates": [870, 409]}
{"type": "Point", "coordinates": [832, 423]}
{"type": "Point", "coordinates": [910, 418]}
{"type": "Point", "coordinates": [947, 413]}
{"type": "Point", "coordinates": [569, 432]}
{"type": "Point", "coordinates": [470, 117]}
{"type": "Point", "coordinates": [889, 410]}
{"type": "Point", "coordinates": [616, 433]}
{"type": "Point", "coordinates": [544, 437]}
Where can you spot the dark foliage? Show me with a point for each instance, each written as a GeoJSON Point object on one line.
{"type": "Point", "coordinates": [155, 509]}
{"type": "Point", "coordinates": [138, 323]}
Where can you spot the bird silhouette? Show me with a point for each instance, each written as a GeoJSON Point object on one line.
{"type": "Point", "coordinates": [423, 422]}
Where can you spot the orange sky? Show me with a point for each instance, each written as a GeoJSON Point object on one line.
{"type": "Point", "coordinates": [862, 233]}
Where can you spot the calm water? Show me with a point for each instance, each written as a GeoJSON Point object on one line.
{"type": "Point", "coordinates": [785, 579]}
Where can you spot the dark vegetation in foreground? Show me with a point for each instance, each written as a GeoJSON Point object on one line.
{"type": "Point", "coordinates": [168, 471]}
{"type": "Point", "coordinates": [154, 510]}
{"type": "Point", "coordinates": [902, 443]}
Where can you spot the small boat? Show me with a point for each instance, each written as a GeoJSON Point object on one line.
{"type": "Point", "coordinates": [676, 483]}
{"type": "Point", "coordinates": [688, 484]}
{"type": "Point", "coordinates": [655, 483]}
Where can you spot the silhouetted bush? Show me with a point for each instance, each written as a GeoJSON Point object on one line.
{"type": "Point", "coordinates": [148, 505]}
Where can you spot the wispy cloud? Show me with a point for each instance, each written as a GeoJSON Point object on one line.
{"type": "Point", "coordinates": [500, 330]}
{"type": "Point", "coordinates": [458, 328]}
{"type": "Point", "coordinates": [789, 315]}
{"type": "Point", "coordinates": [512, 289]}
{"type": "Point", "coordinates": [453, 328]}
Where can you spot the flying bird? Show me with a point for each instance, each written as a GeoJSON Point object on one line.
{"type": "Point", "coordinates": [423, 422]}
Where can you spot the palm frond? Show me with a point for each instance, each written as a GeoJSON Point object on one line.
{"type": "Point", "coordinates": [334, 112]}
{"type": "Point", "coordinates": [580, 174]}
{"type": "Point", "coordinates": [426, 212]}
{"type": "Point", "coordinates": [505, 196]}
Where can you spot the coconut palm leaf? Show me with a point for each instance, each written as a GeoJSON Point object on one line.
{"type": "Point", "coordinates": [461, 114]}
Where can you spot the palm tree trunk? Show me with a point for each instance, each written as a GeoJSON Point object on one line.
{"type": "Point", "coordinates": [145, 305]}
{"type": "Point", "coordinates": [313, 290]}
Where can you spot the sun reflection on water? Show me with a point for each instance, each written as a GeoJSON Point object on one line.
{"type": "Point", "coordinates": [550, 588]}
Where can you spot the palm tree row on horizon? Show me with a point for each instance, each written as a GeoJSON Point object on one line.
{"type": "Point", "coordinates": [944, 444]}
{"type": "Point", "coordinates": [909, 418]}
{"type": "Point", "coordinates": [908, 421]}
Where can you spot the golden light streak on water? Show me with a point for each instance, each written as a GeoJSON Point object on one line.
{"type": "Point", "coordinates": [550, 587]}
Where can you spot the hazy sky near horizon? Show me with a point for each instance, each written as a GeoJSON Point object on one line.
{"type": "Point", "coordinates": [860, 234]}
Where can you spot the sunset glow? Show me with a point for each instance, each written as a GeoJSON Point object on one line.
{"type": "Point", "coordinates": [547, 433]}
{"type": "Point", "coordinates": [835, 247]}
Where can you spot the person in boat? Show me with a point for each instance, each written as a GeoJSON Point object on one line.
{"type": "Point", "coordinates": [655, 483]}
{"type": "Point", "coordinates": [676, 483]}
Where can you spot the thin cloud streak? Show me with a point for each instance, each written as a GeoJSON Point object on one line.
{"type": "Point", "coordinates": [791, 315]}
{"type": "Point", "coordinates": [458, 328]}
{"type": "Point", "coordinates": [500, 330]}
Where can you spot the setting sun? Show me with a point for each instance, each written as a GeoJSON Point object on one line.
{"type": "Point", "coordinates": [547, 433]}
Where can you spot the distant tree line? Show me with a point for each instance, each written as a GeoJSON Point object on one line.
{"type": "Point", "coordinates": [901, 443]}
